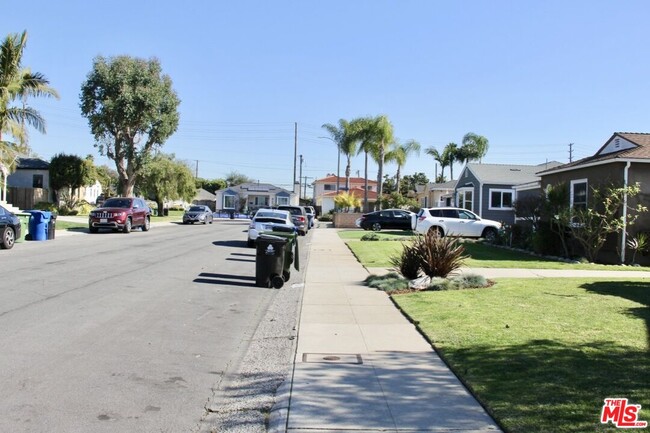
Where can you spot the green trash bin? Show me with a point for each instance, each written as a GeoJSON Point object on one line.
{"type": "Point", "coordinates": [24, 224]}
{"type": "Point", "coordinates": [291, 255]}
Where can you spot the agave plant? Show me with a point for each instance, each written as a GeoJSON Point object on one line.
{"type": "Point", "coordinates": [640, 243]}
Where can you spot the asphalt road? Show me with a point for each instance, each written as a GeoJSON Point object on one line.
{"type": "Point", "coordinates": [125, 333]}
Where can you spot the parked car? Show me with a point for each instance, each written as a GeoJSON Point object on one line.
{"type": "Point", "coordinates": [311, 215]}
{"type": "Point", "coordinates": [451, 221]}
{"type": "Point", "coordinates": [198, 214]}
{"type": "Point", "coordinates": [120, 213]}
{"type": "Point", "coordinates": [265, 219]}
{"type": "Point", "coordinates": [10, 229]}
{"type": "Point", "coordinates": [298, 216]}
{"type": "Point", "coordinates": [100, 200]}
{"type": "Point", "coordinates": [397, 219]}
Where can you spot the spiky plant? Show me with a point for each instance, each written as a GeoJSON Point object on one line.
{"type": "Point", "coordinates": [407, 262]}
{"type": "Point", "coordinates": [439, 256]}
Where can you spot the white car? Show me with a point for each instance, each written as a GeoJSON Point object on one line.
{"type": "Point", "coordinates": [452, 221]}
{"type": "Point", "coordinates": [265, 219]}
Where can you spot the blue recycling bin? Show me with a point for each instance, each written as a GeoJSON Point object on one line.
{"type": "Point", "coordinates": [38, 224]}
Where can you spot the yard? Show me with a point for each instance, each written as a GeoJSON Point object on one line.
{"type": "Point", "coordinates": [540, 354]}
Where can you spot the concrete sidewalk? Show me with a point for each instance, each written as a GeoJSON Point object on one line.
{"type": "Point", "coordinates": [360, 365]}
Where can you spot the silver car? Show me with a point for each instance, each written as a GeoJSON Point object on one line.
{"type": "Point", "coordinates": [198, 214]}
{"type": "Point", "coordinates": [264, 220]}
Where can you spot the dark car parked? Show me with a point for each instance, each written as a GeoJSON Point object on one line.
{"type": "Point", "coordinates": [298, 216]}
{"type": "Point", "coordinates": [10, 229]}
{"type": "Point", "coordinates": [396, 219]}
{"type": "Point", "coordinates": [120, 213]}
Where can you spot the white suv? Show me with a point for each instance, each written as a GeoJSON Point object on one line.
{"type": "Point", "coordinates": [452, 221]}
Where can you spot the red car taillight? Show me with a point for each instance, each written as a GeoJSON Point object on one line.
{"type": "Point", "coordinates": [421, 218]}
{"type": "Point", "coordinates": [301, 219]}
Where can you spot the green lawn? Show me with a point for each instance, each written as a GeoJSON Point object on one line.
{"type": "Point", "coordinates": [542, 355]}
{"type": "Point", "coordinates": [376, 254]}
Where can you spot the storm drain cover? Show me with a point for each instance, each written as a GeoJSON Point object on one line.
{"type": "Point", "coordinates": [333, 358]}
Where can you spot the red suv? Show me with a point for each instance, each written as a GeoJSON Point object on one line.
{"type": "Point", "coordinates": [120, 213]}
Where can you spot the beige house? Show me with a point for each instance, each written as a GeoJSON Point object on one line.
{"type": "Point", "coordinates": [325, 190]}
{"type": "Point", "coordinates": [436, 194]}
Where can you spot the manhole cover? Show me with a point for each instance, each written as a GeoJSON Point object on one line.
{"type": "Point", "coordinates": [333, 358]}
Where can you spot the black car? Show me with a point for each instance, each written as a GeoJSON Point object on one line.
{"type": "Point", "coordinates": [10, 229]}
{"type": "Point", "coordinates": [396, 219]}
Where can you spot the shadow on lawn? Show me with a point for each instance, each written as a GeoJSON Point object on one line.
{"type": "Point", "coordinates": [545, 386]}
{"type": "Point", "coordinates": [635, 291]}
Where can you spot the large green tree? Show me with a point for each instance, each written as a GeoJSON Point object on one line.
{"type": "Point", "coordinates": [450, 155]}
{"type": "Point", "coordinates": [166, 178]}
{"type": "Point", "coordinates": [439, 158]}
{"type": "Point", "coordinates": [235, 178]}
{"type": "Point", "coordinates": [211, 185]}
{"type": "Point", "coordinates": [17, 85]}
{"type": "Point", "coordinates": [132, 110]}
{"type": "Point", "coordinates": [70, 172]}
{"type": "Point", "coordinates": [474, 147]}
{"type": "Point", "coordinates": [345, 142]}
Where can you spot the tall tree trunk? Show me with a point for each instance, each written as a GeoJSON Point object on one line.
{"type": "Point", "coordinates": [365, 185]}
{"type": "Point", "coordinates": [347, 174]}
{"type": "Point", "coordinates": [380, 175]}
{"type": "Point", "coordinates": [397, 181]}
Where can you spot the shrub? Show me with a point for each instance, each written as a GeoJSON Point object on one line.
{"type": "Point", "coordinates": [325, 217]}
{"type": "Point", "coordinates": [370, 237]}
{"type": "Point", "coordinates": [459, 282]}
{"type": "Point", "coordinates": [390, 282]}
{"type": "Point", "coordinates": [407, 263]}
{"type": "Point", "coordinates": [439, 256]}
{"type": "Point", "coordinates": [43, 205]}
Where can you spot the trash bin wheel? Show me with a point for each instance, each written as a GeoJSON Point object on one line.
{"type": "Point", "coordinates": [277, 281]}
{"type": "Point", "coordinates": [286, 275]}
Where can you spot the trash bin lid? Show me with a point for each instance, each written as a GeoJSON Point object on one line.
{"type": "Point", "coordinates": [268, 237]}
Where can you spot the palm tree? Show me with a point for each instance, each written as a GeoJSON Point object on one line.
{"type": "Point", "coordinates": [450, 155]}
{"type": "Point", "coordinates": [342, 136]}
{"type": "Point", "coordinates": [438, 157]}
{"type": "Point", "coordinates": [375, 135]}
{"type": "Point", "coordinates": [17, 84]}
{"type": "Point", "coordinates": [474, 147]}
{"type": "Point", "coordinates": [399, 154]}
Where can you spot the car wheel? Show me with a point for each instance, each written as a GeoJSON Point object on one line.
{"type": "Point", "coordinates": [147, 224]}
{"type": "Point", "coordinates": [490, 234]}
{"type": "Point", "coordinates": [8, 238]}
{"type": "Point", "coordinates": [376, 227]}
{"type": "Point", "coordinates": [436, 231]}
{"type": "Point", "coordinates": [211, 219]}
{"type": "Point", "coordinates": [93, 229]}
{"type": "Point", "coordinates": [127, 226]}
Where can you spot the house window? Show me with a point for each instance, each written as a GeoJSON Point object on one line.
{"type": "Point", "coordinates": [228, 201]}
{"type": "Point", "coordinates": [501, 199]}
{"type": "Point", "coordinates": [328, 187]}
{"type": "Point", "coordinates": [282, 201]}
{"type": "Point", "coordinates": [37, 181]}
{"type": "Point", "coordinates": [465, 199]}
{"type": "Point", "coordinates": [579, 194]}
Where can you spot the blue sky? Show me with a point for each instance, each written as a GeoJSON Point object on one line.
{"type": "Point", "coordinates": [532, 77]}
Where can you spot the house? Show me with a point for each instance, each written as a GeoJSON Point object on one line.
{"type": "Point", "coordinates": [205, 198]}
{"type": "Point", "coordinates": [325, 190]}
{"type": "Point", "coordinates": [624, 160]}
{"type": "Point", "coordinates": [30, 183]}
{"type": "Point", "coordinates": [249, 197]}
{"type": "Point", "coordinates": [436, 194]}
{"type": "Point", "coordinates": [489, 190]}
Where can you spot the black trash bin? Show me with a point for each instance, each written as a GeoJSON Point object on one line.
{"type": "Point", "coordinates": [291, 255]}
{"type": "Point", "coordinates": [269, 261]}
{"type": "Point", "coordinates": [51, 227]}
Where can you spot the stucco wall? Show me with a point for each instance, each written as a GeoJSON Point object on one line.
{"type": "Point", "coordinates": [345, 220]}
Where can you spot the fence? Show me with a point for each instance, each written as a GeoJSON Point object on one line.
{"type": "Point", "coordinates": [26, 198]}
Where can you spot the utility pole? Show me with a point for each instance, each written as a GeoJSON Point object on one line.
{"type": "Point", "coordinates": [295, 153]}
{"type": "Point", "coordinates": [196, 174]}
{"type": "Point", "coordinates": [305, 186]}
{"type": "Point", "coordinates": [570, 152]}
{"type": "Point", "coordinates": [300, 180]}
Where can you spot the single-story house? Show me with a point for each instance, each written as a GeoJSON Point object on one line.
{"type": "Point", "coordinates": [489, 190]}
{"type": "Point", "coordinates": [436, 194]}
{"type": "Point", "coordinates": [249, 197]}
{"type": "Point", "coordinates": [205, 198]}
{"type": "Point", "coordinates": [29, 183]}
{"type": "Point", "coordinates": [623, 160]}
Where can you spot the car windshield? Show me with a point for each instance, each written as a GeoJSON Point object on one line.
{"type": "Point", "coordinates": [118, 202]}
{"type": "Point", "coordinates": [196, 209]}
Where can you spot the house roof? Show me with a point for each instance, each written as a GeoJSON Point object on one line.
{"type": "Point", "coordinates": [32, 164]}
{"type": "Point", "coordinates": [332, 179]}
{"type": "Point", "coordinates": [202, 194]}
{"type": "Point", "coordinates": [639, 150]}
{"type": "Point", "coordinates": [261, 188]}
{"type": "Point", "coordinates": [508, 174]}
{"type": "Point", "coordinates": [357, 192]}
{"type": "Point", "coordinates": [442, 186]}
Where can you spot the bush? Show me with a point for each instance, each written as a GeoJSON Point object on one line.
{"type": "Point", "coordinates": [459, 282]}
{"type": "Point", "coordinates": [370, 237]}
{"type": "Point", "coordinates": [390, 282]}
{"type": "Point", "coordinates": [43, 205]}
{"type": "Point", "coordinates": [439, 256]}
{"type": "Point", "coordinates": [547, 242]}
{"type": "Point", "coordinates": [326, 217]}
{"type": "Point", "coordinates": [407, 263]}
